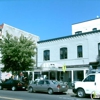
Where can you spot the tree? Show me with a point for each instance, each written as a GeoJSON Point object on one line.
{"type": "Point", "coordinates": [17, 53]}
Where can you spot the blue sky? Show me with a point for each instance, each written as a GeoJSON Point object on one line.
{"type": "Point", "coordinates": [47, 18]}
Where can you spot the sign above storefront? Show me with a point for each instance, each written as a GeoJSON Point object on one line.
{"type": "Point", "coordinates": [53, 68]}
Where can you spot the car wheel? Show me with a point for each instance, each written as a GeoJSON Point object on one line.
{"type": "Point", "coordinates": [0, 87]}
{"type": "Point", "coordinates": [13, 88]}
{"type": "Point", "coordinates": [50, 91]}
{"type": "Point", "coordinates": [80, 93]}
{"type": "Point", "coordinates": [30, 89]}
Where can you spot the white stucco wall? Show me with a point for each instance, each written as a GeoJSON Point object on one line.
{"type": "Point", "coordinates": [17, 32]}
{"type": "Point", "coordinates": [86, 26]}
{"type": "Point", "coordinates": [88, 41]}
{"type": "Point", "coordinates": [93, 41]}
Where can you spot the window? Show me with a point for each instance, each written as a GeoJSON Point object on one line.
{"type": "Point", "coordinates": [63, 53]}
{"type": "Point", "coordinates": [79, 51]}
{"type": "Point", "coordinates": [47, 55]}
{"type": "Point", "coordinates": [9, 81]}
{"type": "Point", "coordinates": [47, 82]}
{"type": "Point", "coordinates": [94, 29]}
{"type": "Point", "coordinates": [41, 82]}
{"type": "Point", "coordinates": [90, 78]}
{"type": "Point", "coordinates": [99, 49]}
{"type": "Point", "coordinates": [55, 82]}
{"type": "Point", "coordinates": [35, 82]}
{"type": "Point", "coordinates": [78, 32]}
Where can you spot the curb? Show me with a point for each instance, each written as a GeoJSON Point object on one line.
{"type": "Point", "coordinates": [70, 92]}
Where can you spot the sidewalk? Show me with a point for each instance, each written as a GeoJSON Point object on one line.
{"type": "Point", "coordinates": [70, 92]}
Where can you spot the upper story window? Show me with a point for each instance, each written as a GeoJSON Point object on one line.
{"type": "Point", "coordinates": [79, 51]}
{"type": "Point", "coordinates": [94, 29]}
{"type": "Point", "coordinates": [78, 32]}
{"type": "Point", "coordinates": [47, 55]}
{"type": "Point", "coordinates": [99, 49]}
{"type": "Point", "coordinates": [63, 53]}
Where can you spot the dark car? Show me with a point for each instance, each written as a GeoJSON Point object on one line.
{"type": "Point", "coordinates": [13, 85]}
{"type": "Point", "coordinates": [49, 86]}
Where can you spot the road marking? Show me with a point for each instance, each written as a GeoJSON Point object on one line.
{"type": "Point", "coordinates": [10, 98]}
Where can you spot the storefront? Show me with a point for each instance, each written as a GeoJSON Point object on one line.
{"type": "Point", "coordinates": [72, 73]}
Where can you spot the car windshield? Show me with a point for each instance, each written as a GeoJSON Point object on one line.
{"type": "Point", "coordinates": [55, 82]}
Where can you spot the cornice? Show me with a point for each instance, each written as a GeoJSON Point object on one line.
{"type": "Point", "coordinates": [70, 36]}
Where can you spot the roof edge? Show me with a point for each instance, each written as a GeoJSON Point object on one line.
{"type": "Point", "coordinates": [42, 41]}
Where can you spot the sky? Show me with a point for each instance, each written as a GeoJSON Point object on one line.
{"type": "Point", "coordinates": [47, 19]}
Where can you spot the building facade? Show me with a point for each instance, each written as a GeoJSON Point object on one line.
{"type": "Point", "coordinates": [76, 52]}
{"type": "Point", "coordinates": [4, 28]}
{"type": "Point", "coordinates": [65, 58]}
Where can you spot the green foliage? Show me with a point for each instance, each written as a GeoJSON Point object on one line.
{"type": "Point", "coordinates": [17, 53]}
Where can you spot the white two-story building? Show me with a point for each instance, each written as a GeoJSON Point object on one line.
{"type": "Point", "coordinates": [76, 52]}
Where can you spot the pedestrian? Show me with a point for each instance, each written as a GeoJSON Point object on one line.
{"type": "Point", "coordinates": [21, 78]}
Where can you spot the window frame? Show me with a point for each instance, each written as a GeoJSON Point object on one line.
{"type": "Point", "coordinates": [78, 32]}
{"type": "Point", "coordinates": [89, 78]}
{"type": "Point", "coordinates": [46, 55]}
{"type": "Point", "coordinates": [79, 51]}
{"type": "Point", "coordinates": [41, 82]}
{"type": "Point", "coordinates": [99, 49]}
{"type": "Point", "coordinates": [94, 29]}
{"type": "Point", "coordinates": [63, 53]}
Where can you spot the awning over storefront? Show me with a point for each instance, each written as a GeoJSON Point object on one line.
{"type": "Point", "coordinates": [50, 66]}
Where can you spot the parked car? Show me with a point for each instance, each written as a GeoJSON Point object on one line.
{"type": "Point", "coordinates": [49, 86]}
{"type": "Point", "coordinates": [88, 85]}
{"type": "Point", "coordinates": [13, 85]}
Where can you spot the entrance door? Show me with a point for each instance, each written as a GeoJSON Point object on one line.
{"type": "Point", "coordinates": [52, 75]}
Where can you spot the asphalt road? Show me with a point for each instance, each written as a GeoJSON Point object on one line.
{"type": "Point", "coordinates": [24, 95]}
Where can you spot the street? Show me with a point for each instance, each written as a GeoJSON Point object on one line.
{"type": "Point", "coordinates": [24, 95]}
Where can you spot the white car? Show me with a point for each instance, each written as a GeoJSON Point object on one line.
{"type": "Point", "coordinates": [88, 85]}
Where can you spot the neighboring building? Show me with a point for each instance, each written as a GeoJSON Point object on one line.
{"type": "Point", "coordinates": [86, 26]}
{"type": "Point", "coordinates": [76, 52]}
{"type": "Point", "coordinates": [4, 28]}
